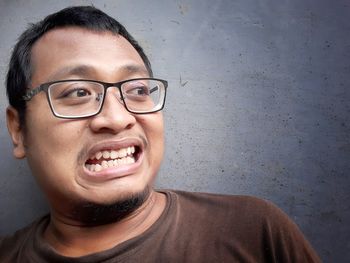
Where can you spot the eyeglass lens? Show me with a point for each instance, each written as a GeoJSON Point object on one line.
{"type": "Point", "coordinates": [84, 98]}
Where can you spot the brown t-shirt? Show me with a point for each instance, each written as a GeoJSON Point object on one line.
{"type": "Point", "coordinates": [194, 227]}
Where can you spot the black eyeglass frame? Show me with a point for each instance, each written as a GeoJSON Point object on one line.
{"type": "Point", "coordinates": [45, 87]}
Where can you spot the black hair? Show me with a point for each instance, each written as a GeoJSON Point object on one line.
{"type": "Point", "coordinates": [20, 67]}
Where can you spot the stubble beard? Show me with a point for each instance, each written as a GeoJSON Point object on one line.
{"type": "Point", "coordinates": [88, 213]}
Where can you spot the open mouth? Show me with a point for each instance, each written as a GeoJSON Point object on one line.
{"type": "Point", "coordinates": [112, 158]}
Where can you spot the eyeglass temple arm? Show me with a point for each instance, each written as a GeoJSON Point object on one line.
{"type": "Point", "coordinates": [153, 89]}
{"type": "Point", "coordinates": [31, 93]}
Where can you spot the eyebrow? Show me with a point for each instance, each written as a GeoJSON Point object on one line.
{"type": "Point", "coordinates": [131, 68]}
{"type": "Point", "coordinates": [88, 71]}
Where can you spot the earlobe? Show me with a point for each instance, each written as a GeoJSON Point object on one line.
{"type": "Point", "coordinates": [16, 132]}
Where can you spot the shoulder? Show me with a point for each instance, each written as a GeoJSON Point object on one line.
{"type": "Point", "coordinates": [201, 197]}
{"type": "Point", "coordinates": [12, 245]}
{"type": "Point", "coordinates": [249, 223]}
{"type": "Point", "coordinates": [247, 212]}
{"type": "Point", "coordinates": [231, 205]}
{"type": "Point", "coordinates": [232, 212]}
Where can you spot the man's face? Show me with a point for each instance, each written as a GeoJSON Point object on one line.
{"type": "Point", "coordinates": [58, 150]}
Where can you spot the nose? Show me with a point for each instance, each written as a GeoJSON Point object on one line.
{"type": "Point", "coordinates": [113, 117]}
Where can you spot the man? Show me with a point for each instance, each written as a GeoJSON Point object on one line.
{"type": "Point", "coordinates": [85, 111]}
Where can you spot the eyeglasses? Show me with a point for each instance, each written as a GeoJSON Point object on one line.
{"type": "Point", "coordinates": [78, 98]}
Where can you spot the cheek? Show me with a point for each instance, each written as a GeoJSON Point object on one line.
{"type": "Point", "coordinates": [153, 126]}
{"type": "Point", "coordinates": [153, 129]}
{"type": "Point", "coordinates": [52, 157]}
{"type": "Point", "coordinates": [51, 144]}
{"type": "Point", "coordinates": [52, 139]}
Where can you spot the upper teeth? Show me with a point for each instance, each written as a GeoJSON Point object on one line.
{"type": "Point", "coordinates": [114, 154]}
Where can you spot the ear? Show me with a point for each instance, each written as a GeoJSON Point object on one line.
{"type": "Point", "coordinates": [16, 132]}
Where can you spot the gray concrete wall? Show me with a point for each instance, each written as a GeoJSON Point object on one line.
{"type": "Point", "coordinates": [258, 104]}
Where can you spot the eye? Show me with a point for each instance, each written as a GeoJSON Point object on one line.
{"type": "Point", "coordinates": [76, 93]}
{"type": "Point", "coordinates": [138, 91]}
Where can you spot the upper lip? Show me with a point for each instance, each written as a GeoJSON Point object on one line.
{"type": "Point", "coordinates": [115, 145]}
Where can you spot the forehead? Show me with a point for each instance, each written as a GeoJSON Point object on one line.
{"type": "Point", "coordinates": [65, 48]}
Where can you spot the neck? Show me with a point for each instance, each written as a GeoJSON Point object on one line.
{"type": "Point", "coordinates": [72, 239]}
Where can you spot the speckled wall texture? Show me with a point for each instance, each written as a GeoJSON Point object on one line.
{"type": "Point", "coordinates": [258, 104]}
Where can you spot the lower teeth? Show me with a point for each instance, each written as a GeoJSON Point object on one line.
{"type": "Point", "coordinates": [109, 164]}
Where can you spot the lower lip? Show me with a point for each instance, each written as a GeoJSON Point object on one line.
{"type": "Point", "coordinates": [114, 172]}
